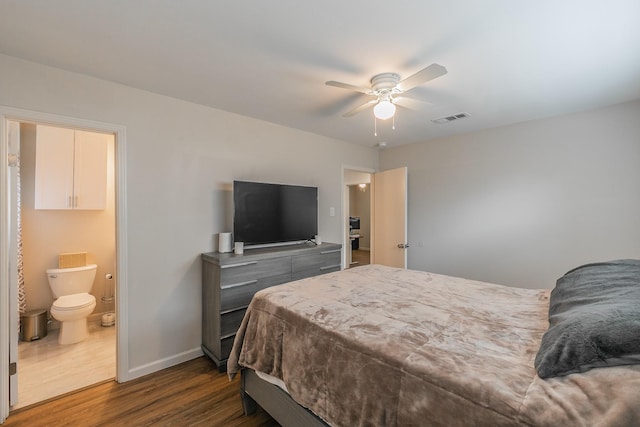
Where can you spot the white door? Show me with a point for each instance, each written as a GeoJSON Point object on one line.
{"type": "Point", "coordinates": [14, 155]}
{"type": "Point", "coordinates": [389, 218]}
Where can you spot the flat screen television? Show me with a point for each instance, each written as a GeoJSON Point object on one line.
{"type": "Point", "coordinates": [274, 213]}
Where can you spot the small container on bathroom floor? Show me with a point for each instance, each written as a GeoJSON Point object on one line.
{"type": "Point", "coordinates": [108, 319]}
{"type": "Point", "coordinates": [33, 325]}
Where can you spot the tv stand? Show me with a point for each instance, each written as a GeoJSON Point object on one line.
{"type": "Point", "coordinates": [229, 282]}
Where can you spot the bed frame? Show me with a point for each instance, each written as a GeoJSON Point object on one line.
{"type": "Point", "coordinates": [255, 392]}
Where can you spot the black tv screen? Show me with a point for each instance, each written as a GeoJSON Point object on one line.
{"type": "Point", "coordinates": [274, 213]}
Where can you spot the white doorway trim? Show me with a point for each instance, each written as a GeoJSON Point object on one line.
{"type": "Point", "coordinates": [345, 210]}
{"type": "Point", "coordinates": [122, 351]}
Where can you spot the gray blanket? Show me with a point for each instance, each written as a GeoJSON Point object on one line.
{"type": "Point", "coordinates": [378, 346]}
{"type": "Point", "coordinates": [594, 318]}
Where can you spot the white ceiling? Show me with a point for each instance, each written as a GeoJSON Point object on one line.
{"type": "Point", "coordinates": [508, 61]}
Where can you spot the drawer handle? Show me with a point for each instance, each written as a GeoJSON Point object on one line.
{"type": "Point", "coordinates": [240, 264]}
{"type": "Point", "coordinates": [235, 285]}
{"type": "Point", "coordinates": [330, 252]}
{"type": "Point", "coordinates": [231, 310]}
{"type": "Point", "coordinates": [225, 336]}
{"type": "Point", "coordinates": [327, 267]}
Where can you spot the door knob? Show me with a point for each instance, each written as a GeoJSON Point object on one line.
{"type": "Point", "coordinates": [403, 245]}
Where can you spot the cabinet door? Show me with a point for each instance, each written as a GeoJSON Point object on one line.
{"type": "Point", "coordinates": [90, 170]}
{"type": "Point", "coordinates": [54, 168]}
{"type": "Point", "coordinates": [71, 169]}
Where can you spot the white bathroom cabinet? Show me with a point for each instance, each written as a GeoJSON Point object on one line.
{"type": "Point", "coordinates": [71, 169]}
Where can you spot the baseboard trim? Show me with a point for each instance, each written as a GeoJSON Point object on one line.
{"type": "Point", "coordinates": [161, 364]}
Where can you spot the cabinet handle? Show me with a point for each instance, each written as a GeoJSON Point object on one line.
{"type": "Point", "coordinates": [70, 202]}
{"type": "Point", "coordinates": [327, 267]}
{"type": "Point", "coordinates": [240, 264]}
{"type": "Point", "coordinates": [330, 252]}
{"type": "Point", "coordinates": [235, 285]}
{"type": "Point", "coordinates": [75, 202]}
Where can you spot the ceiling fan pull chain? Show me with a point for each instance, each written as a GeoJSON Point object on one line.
{"type": "Point", "coordinates": [375, 126]}
{"type": "Point", "coordinates": [393, 126]}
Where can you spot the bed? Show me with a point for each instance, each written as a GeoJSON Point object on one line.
{"type": "Point", "coordinates": [380, 346]}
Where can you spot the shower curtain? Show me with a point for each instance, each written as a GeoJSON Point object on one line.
{"type": "Point", "coordinates": [16, 223]}
{"type": "Point", "coordinates": [22, 298]}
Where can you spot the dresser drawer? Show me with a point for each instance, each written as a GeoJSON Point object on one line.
{"type": "Point", "coordinates": [315, 272]}
{"type": "Point", "coordinates": [316, 260]}
{"type": "Point", "coordinates": [225, 348]}
{"type": "Point", "coordinates": [229, 282]}
{"type": "Point", "coordinates": [244, 271]}
{"type": "Point", "coordinates": [240, 294]}
{"type": "Point", "coordinates": [230, 322]}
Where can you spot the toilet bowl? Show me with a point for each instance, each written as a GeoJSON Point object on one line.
{"type": "Point", "coordinates": [72, 312]}
{"type": "Point", "coordinates": [73, 304]}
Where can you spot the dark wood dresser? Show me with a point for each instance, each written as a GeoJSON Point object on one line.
{"type": "Point", "coordinates": [229, 282]}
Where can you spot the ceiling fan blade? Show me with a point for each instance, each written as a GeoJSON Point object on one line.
{"type": "Point", "coordinates": [368, 91]}
{"type": "Point", "coordinates": [431, 72]}
{"type": "Point", "coordinates": [360, 108]}
{"type": "Point", "coordinates": [411, 103]}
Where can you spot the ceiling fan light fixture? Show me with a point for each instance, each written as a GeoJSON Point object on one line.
{"type": "Point", "coordinates": [386, 87]}
{"type": "Point", "coordinates": [384, 110]}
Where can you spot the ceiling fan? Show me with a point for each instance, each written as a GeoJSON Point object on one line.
{"type": "Point", "coordinates": [386, 87]}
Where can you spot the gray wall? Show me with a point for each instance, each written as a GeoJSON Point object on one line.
{"type": "Point", "coordinates": [520, 205]}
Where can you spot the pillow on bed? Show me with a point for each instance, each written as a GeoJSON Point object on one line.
{"type": "Point", "coordinates": [594, 319]}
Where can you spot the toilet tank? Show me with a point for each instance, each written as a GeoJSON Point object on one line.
{"type": "Point", "coordinates": [67, 281]}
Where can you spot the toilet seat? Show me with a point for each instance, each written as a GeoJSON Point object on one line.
{"type": "Point", "coordinates": [73, 302]}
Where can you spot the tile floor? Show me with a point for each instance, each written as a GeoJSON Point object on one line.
{"type": "Point", "coordinates": [47, 369]}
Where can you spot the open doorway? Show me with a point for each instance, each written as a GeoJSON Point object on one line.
{"type": "Point", "coordinates": [58, 235]}
{"type": "Point", "coordinates": [357, 218]}
{"type": "Point", "coordinates": [360, 224]}
{"type": "Point", "coordinates": [51, 229]}
{"type": "Point", "coordinates": [387, 229]}
{"type": "Point", "coordinates": [106, 291]}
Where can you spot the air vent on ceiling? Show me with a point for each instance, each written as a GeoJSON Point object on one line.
{"type": "Point", "coordinates": [451, 118]}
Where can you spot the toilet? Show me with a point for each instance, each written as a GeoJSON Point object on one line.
{"type": "Point", "coordinates": [74, 303]}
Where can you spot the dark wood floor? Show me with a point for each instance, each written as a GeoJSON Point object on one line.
{"type": "Point", "coordinates": [191, 394]}
{"type": "Point", "coordinates": [359, 257]}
